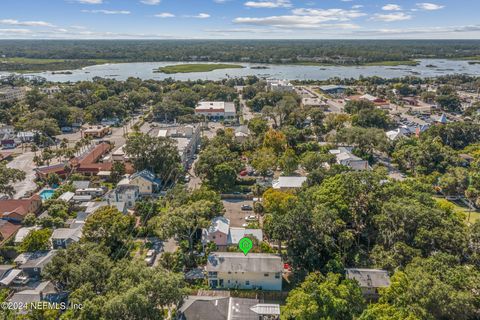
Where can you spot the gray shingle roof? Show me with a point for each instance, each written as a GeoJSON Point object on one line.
{"type": "Point", "coordinates": [201, 308]}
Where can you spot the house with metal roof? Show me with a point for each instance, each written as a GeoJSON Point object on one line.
{"type": "Point", "coordinates": [287, 183]}
{"type": "Point", "coordinates": [23, 232]}
{"type": "Point", "coordinates": [234, 270]}
{"type": "Point", "coordinates": [369, 280]}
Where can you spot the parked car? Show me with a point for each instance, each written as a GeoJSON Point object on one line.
{"type": "Point", "coordinates": [243, 173]}
{"type": "Point", "coordinates": [186, 178]}
{"type": "Point", "coordinates": [150, 258]}
{"type": "Point", "coordinates": [251, 218]}
{"type": "Point", "coordinates": [21, 280]}
{"type": "Point", "coordinates": [247, 207]}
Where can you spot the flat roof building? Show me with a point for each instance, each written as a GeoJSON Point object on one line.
{"type": "Point", "coordinates": [216, 109]}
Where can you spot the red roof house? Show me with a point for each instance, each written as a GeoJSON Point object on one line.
{"type": "Point", "coordinates": [16, 209]}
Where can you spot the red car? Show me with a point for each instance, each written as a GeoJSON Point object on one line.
{"type": "Point", "coordinates": [243, 173]}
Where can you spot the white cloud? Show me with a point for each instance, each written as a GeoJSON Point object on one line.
{"type": "Point", "coordinates": [391, 7]}
{"type": "Point", "coordinates": [151, 2]}
{"type": "Point", "coordinates": [429, 6]}
{"type": "Point", "coordinates": [91, 1]}
{"type": "Point", "coordinates": [107, 11]}
{"type": "Point", "coordinates": [392, 17]}
{"type": "Point", "coordinates": [269, 4]}
{"type": "Point", "coordinates": [307, 18]}
{"type": "Point", "coordinates": [201, 16]}
{"type": "Point", "coordinates": [14, 31]}
{"type": "Point", "coordinates": [165, 15]}
{"type": "Point", "coordinates": [14, 22]}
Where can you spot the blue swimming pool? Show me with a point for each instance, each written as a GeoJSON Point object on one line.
{"type": "Point", "coordinates": [46, 194]}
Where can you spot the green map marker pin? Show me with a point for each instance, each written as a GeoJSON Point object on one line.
{"type": "Point", "coordinates": [245, 245]}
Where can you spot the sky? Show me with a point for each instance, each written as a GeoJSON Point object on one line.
{"type": "Point", "coordinates": [239, 19]}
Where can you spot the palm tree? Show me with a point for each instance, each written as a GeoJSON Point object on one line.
{"type": "Point", "coordinates": [34, 149]}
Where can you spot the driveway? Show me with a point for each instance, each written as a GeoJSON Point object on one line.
{"type": "Point", "coordinates": [234, 212]}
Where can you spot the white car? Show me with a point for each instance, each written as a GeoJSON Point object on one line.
{"type": "Point", "coordinates": [251, 218]}
{"type": "Point", "coordinates": [150, 257]}
{"type": "Point", "coordinates": [21, 280]}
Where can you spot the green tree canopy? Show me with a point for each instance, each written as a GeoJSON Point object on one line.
{"type": "Point", "coordinates": [324, 298]}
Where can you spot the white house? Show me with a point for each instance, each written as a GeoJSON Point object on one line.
{"type": "Point", "coordinates": [286, 183]}
{"type": "Point", "coordinates": [124, 193]}
{"type": "Point", "coordinates": [234, 270]}
{"type": "Point", "coordinates": [345, 157]}
{"type": "Point", "coordinates": [216, 109]}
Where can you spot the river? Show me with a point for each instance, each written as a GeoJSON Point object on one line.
{"type": "Point", "coordinates": [144, 70]}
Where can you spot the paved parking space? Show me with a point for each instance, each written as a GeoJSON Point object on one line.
{"type": "Point", "coordinates": [234, 212]}
{"type": "Point", "coordinates": [25, 163]}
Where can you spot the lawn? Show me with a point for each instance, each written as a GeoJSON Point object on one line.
{"type": "Point", "coordinates": [199, 67]}
{"type": "Point", "coordinates": [474, 215]}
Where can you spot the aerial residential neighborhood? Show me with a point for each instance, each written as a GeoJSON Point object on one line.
{"type": "Point", "coordinates": [239, 160]}
{"type": "Point", "coordinates": [177, 197]}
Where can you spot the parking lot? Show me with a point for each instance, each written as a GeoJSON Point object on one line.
{"type": "Point", "coordinates": [234, 212]}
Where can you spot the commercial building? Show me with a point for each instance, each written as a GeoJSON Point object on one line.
{"type": "Point", "coordinates": [216, 110]}
{"type": "Point", "coordinates": [11, 94]}
{"type": "Point", "coordinates": [187, 139]}
{"type": "Point", "coordinates": [333, 89]}
{"type": "Point", "coordinates": [276, 85]}
{"type": "Point", "coordinates": [86, 164]}
{"type": "Point", "coordinates": [96, 132]}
